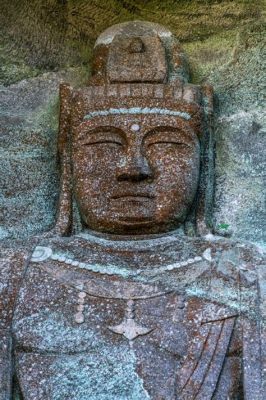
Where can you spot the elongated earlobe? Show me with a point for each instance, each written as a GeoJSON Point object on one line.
{"type": "Point", "coordinates": [64, 218]}
{"type": "Point", "coordinates": [204, 207]}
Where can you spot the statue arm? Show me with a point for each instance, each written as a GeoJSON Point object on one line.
{"type": "Point", "coordinates": [12, 268]}
{"type": "Point", "coordinates": [262, 291]}
{"type": "Point", "coordinates": [254, 332]}
{"type": "Point", "coordinates": [5, 365]}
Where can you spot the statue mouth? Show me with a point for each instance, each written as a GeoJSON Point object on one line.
{"type": "Point", "coordinates": [138, 196]}
{"type": "Point", "coordinates": [132, 200]}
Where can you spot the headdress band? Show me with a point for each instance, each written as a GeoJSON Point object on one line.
{"type": "Point", "coordinates": [137, 110]}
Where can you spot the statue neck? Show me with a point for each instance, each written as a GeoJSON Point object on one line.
{"type": "Point", "coordinates": [109, 237]}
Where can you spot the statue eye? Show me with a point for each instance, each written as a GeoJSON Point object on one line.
{"type": "Point", "coordinates": [166, 138]}
{"type": "Point", "coordinates": [102, 139]}
{"type": "Point", "coordinates": [166, 142]}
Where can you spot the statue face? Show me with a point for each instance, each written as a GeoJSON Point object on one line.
{"type": "Point", "coordinates": [135, 174]}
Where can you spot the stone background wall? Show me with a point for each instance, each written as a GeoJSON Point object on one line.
{"type": "Point", "coordinates": [44, 42]}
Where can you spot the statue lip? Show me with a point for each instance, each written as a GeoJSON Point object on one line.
{"type": "Point", "coordinates": [133, 195]}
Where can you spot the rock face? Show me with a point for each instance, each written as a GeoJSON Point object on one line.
{"type": "Point", "coordinates": [29, 173]}
{"type": "Point", "coordinates": [131, 295]}
{"type": "Point", "coordinates": [224, 43]}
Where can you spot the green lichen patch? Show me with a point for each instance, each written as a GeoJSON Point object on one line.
{"type": "Point", "coordinates": [223, 226]}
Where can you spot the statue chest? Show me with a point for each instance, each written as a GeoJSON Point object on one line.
{"type": "Point", "coordinates": [62, 313]}
{"type": "Point", "coordinates": [81, 334]}
{"type": "Point", "coordinates": [108, 337]}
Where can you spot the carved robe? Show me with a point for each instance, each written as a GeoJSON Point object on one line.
{"type": "Point", "coordinates": [165, 318]}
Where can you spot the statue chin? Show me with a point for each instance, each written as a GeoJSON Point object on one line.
{"type": "Point", "coordinates": [133, 222]}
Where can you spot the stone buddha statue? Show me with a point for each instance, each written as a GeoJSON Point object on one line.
{"type": "Point", "coordinates": [132, 296]}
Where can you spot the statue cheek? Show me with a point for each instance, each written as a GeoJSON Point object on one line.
{"type": "Point", "coordinates": [174, 160]}
{"type": "Point", "coordinates": [177, 171]}
{"type": "Point", "coordinates": [96, 162]}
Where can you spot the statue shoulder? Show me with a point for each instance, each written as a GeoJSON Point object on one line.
{"type": "Point", "coordinates": [14, 257]}
{"type": "Point", "coordinates": [243, 254]}
{"type": "Point", "coordinates": [237, 262]}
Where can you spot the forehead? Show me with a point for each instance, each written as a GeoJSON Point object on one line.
{"type": "Point", "coordinates": [111, 105]}
{"type": "Point", "coordinates": [134, 122]}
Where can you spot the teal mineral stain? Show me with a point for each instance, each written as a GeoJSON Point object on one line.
{"type": "Point", "coordinates": [89, 367]}
{"type": "Point", "coordinates": [109, 374]}
{"type": "Point", "coordinates": [55, 333]}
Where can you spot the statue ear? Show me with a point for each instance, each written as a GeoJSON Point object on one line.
{"type": "Point", "coordinates": [204, 207]}
{"type": "Point", "coordinates": [64, 218]}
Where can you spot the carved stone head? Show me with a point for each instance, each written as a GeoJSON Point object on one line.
{"type": "Point", "coordinates": [135, 143]}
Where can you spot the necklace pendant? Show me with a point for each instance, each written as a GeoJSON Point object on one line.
{"type": "Point", "coordinates": [128, 327]}
{"type": "Point", "coordinates": [79, 316]}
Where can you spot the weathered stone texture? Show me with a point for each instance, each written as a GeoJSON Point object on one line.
{"type": "Point", "coordinates": [131, 295]}
{"type": "Point", "coordinates": [28, 137]}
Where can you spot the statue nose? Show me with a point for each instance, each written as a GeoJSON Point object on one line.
{"type": "Point", "coordinates": [134, 169]}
